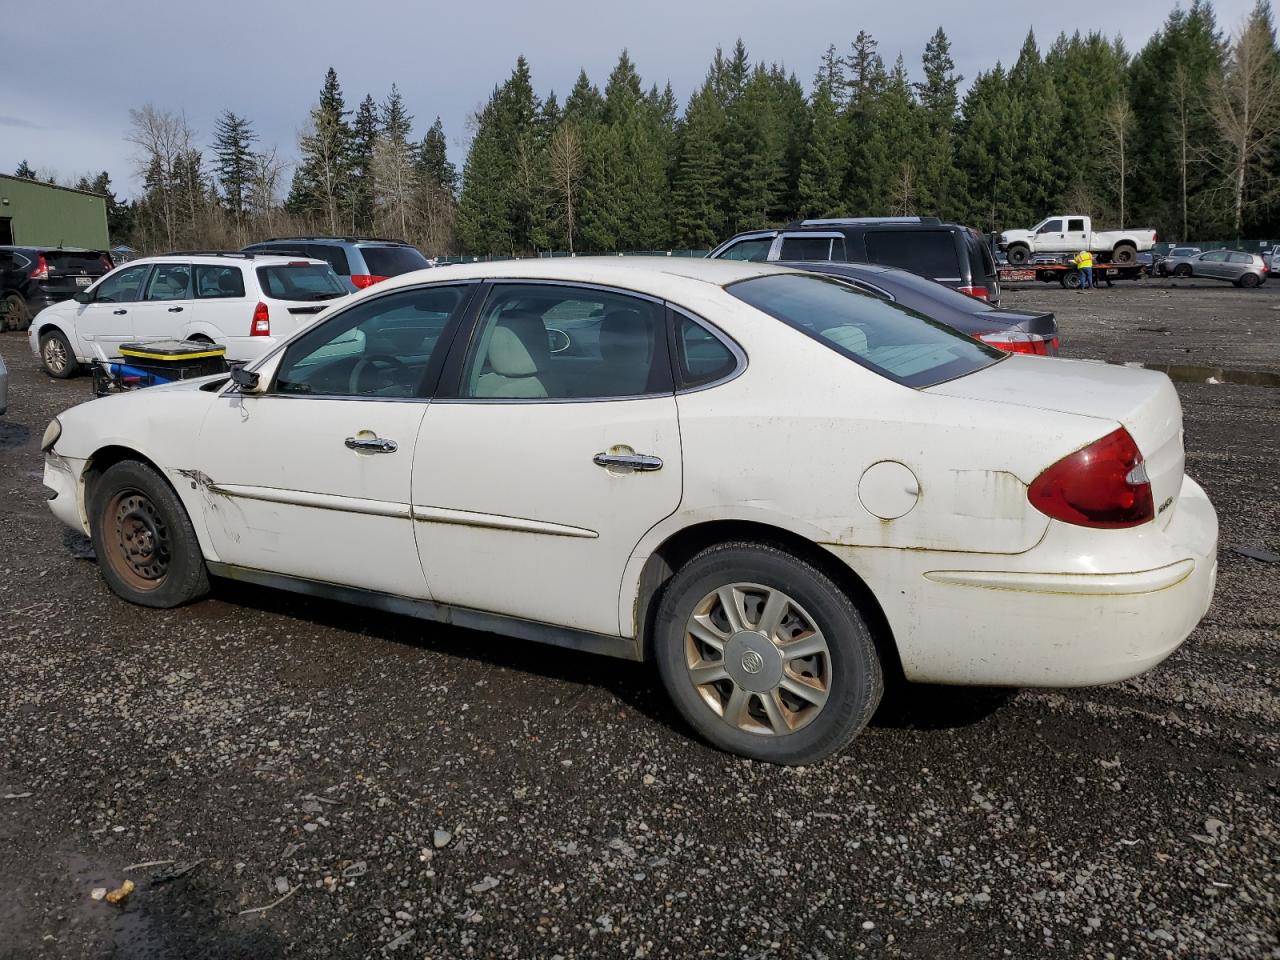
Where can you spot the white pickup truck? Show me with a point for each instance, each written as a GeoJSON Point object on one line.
{"type": "Point", "coordinates": [1072, 232]}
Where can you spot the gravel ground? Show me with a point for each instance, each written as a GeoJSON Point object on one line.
{"type": "Point", "coordinates": [418, 791]}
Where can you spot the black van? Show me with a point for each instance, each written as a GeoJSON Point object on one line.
{"type": "Point", "coordinates": [950, 253]}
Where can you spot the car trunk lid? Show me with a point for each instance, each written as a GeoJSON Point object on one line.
{"type": "Point", "coordinates": [1142, 401]}
{"type": "Point", "coordinates": [68, 271]}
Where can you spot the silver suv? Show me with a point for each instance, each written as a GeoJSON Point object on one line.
{"type": "Point", "coordinates": [359, 262]}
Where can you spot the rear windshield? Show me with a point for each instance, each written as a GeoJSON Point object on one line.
{"type": "Point", "coordinates": [68, 261]}
{"type": "Point", "coordinates": [889, 339]}
{"type": "Point", "coordinates": [392, 261]}
{"type": "Point", "coordinates": [930, 253]}
{"type": "Point", "coordinates": [302, 281]}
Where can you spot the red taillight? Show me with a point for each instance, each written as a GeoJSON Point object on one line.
{"type": "Point", "coordinates": [1103, 485]}
{"type": "Point", "coordinates": [362, 280]}
{"type": "Point", "coordinates": [979, 292]}
{"type": "Point", "coordinates": [261, 321]}
{"type": "Point", "coordinates": [1015, 341]}
{"type": "Point", "coordinates": [41, 270]}
{"type": "Point", "coordinates": [107, 265]}
{"type": "Point", "coordinates": [1155, 237]}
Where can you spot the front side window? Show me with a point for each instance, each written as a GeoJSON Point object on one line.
{"type": "Point", "coordinates": [218, 282]}
{"type": "Point", "coordinates": [123, 286]}
{"type": "Point", "coordinates": [386, 347]}
{"type": "Point", "coordinates": [1217, 256]}
{"type": "Point", "coordinates": [1050, 226]}
{"type": "Point", "coordinates": [559, 342]}
{"type": "Point", "coordinates": [897, 343]}
{"type": "Point", "coordinates": [170, 281]}
{"type": "Point", "coordinates": [755, 250]}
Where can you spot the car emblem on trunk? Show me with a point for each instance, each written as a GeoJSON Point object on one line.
{"type": "Point", "coordinates": [752, 662]}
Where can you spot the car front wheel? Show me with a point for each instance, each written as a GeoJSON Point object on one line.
{"type": "Point", "coordinates": [57, 357]}
{"type": "Point", "coordinates": [765, 655]}
{"type": "Point", "coordinates": [1182, 270]}
{"type": "Point", "coordinates": [147, 549]}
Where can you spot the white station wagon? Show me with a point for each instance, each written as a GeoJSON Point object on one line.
{"type": "Point", "coordinates": [775, 486]}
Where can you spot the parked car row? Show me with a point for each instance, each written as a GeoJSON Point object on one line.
{"type": "Point", "coordinates": [32, 278]}
{"type": "Point", "coordinates": [1236, 266]}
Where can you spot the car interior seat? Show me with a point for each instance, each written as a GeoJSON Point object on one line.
{"type": "Point", "coordinates": [517, 355]}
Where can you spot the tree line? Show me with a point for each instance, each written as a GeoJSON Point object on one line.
{"type": "Point", "coordinates": [1184, 136]}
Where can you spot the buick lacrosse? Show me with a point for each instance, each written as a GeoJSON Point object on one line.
{"type": "Point", "coordinates": [776, 487]}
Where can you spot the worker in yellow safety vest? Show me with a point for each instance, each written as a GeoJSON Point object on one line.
{"type": "Point", "coordinates": [1084, 263]}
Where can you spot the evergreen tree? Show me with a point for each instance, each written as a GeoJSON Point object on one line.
{"type": "Point", "coordinates": [321, 183]}
{"type": "Point", "coordinates": [25, 171]}
{"type": "Point", "coordinates": [866, 74]}
{"type": "Point", "coordinates": [939, 100]}
{"type": "Point", "coordinates": [1040, 181]}
{"type": "Point", "coordinates": [235, 163]}
{"type": "Point", "coordinates": [822, 169]}
{"type": "Point", "coordinates": [364, 137]}
{"type": "Point", "coordinates": [395, 184]}
{"type": "Point", "coordinates": [698, 185]}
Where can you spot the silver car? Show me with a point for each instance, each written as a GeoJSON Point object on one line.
{"type": "Point", "coordinates": [1173, 254]}
{"type": "Point", "coordinates": [1242, 269]}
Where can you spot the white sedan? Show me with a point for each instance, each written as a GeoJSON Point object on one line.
{"type": "Point", "coordinates": [776, 487]}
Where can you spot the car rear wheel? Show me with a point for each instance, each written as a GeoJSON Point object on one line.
{"type": "Point", "coordinates": [16, 316]}
{"type": "Point", "coordinates": [56, 355]}
{"type": "Point", "coordinates": [1125, 253]}
{"type": "Point", "coordinates": [147, 549]}
{"type": "Point", "coordinates": [765, 655]}
{"type": "Point", "coordinates": [1249, 280]}
{"type": "Point", "coordinates": [1019, 255]}
{"type": "Point", "coordinates": [1182, 270]}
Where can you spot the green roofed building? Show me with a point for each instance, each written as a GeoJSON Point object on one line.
{"type": "Point", "coordinates": [35, 214]}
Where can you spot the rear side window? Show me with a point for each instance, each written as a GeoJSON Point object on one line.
{"type": "Point", "coordinates": [170, 281]}
{"type": "Point", "coordinates": [333, 255]}
{"type": "Point", "coordinates": [930, 253]}
{"type": "Point", "coordinates": [218, 282]}
{"type": "Point", "coordinates": [302, 281]}
{"type": "Point", "coordinates": [392, 261]}
{"type": "Point", "coordinates": [756, 250]}
{"type": "Point", "coordinates": [812, 248]}
{"type": "Point", "coordinates": [701, 357]}
{"type": "Point", "coordinates": [1075, 226]}
{"type": "Point", "coordinates": [1240, 258]}
{"type": "Point", "coordinates": [889, 339]}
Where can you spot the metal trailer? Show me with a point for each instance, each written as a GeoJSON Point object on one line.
{"type": "Point", "coordinates": [1067, 275]}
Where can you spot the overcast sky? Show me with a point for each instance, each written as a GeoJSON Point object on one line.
{"type": "Point", "coordinates": [73, 69]}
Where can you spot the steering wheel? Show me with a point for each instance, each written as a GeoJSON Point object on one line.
{"type": "Point", "coordinates": [364, 363]}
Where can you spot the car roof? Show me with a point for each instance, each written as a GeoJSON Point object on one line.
{"type": "Point", "coordinates": [653, 275]}
{"type": "Point", "coordinates": [258, 260]}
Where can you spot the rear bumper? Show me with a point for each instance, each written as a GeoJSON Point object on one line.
{"type": "Point", "coordinates": [1053, 617]}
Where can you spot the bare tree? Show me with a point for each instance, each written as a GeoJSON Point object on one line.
{"type": "Point", "coordinates": [1244, 104]}
{"type": "Point", "coordinates": [324, 147]}
{"type": "Point", "coordinates": [565, 156]}
{"type": "Point", "coordinates": [160, 137]}
{"type": "Point", "coordinates": [904, 199]}
{"type": "Point", "coordinates": [1118, 124]}
{"type": "Point", "coordinates": [1182, 94]}
{"type": "Point", "coordinates": [264, 189]}
{"type": "Point", "coordinates": [395, 181]}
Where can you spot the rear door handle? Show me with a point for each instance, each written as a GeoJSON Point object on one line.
{"type": "Point", "coordinates": [371, 445]}
{"type": "Point", "coordinates": [175, 309]}
{"type": "Point", "coordinates": [641, 462]}
{"type": "Point", "coordinates": [119, 313]}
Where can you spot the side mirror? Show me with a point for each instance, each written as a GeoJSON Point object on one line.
{"type": "Point", "coordinates": [83, 296]}
{"type": "Point", "coordinates": [245, 379]}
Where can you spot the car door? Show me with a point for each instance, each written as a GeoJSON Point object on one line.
{"type": "Point", "coordinates": [1051, 237]}
{"type": "Point", "coordinates": [1212, 264]}
{"type": "Point", "coordinates": [166, 302]}
{"type": "Point", "coordinates": [220, 308]}
{"type": "Point", "coordinates": [559, 449]}
{"type": "Point", "coordinates": [108, 319]}
{"type": "Point", "coordinates": [311, 477]}
{"type": "Point", "coordinates": [1075, 237]}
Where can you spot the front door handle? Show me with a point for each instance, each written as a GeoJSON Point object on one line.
{"type": "Point", "coordinates": [641, 462]}
{"type": "Point", "coordinates": [371, 445]}
{"type": "Point", "coordinates": [119, 313]}
{"type": "Point", "coordinates": [175, 309]}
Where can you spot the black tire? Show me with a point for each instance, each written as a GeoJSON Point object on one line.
{"type": "Point", "coordinates": [1182, 270]}
{"type": "Point", "coordinates": [1018, 255]}
{"type": "Point", "coordinates": [1071, 279]}
{"type": "Point", "coordinates": [1125, 253]}
{"type": "Point", "coordinates": [16, 316]}
{"type": "Point", "coordinates": [56, 355]}
{"type": "Point", "coordinates": [1249, 280]}
{"type": "Point", "coordinates": [853, 675]}
{"type": "Point", "coordinates": [147, 549]}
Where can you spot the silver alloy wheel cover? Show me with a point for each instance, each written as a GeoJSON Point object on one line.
{"type": "Point", "coordinates": [55, 357]}
{"type": "Point", "coordinates": [757, 659]}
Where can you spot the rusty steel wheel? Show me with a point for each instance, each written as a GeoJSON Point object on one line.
{"type": "Point", "coordinates": [137, 541]}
